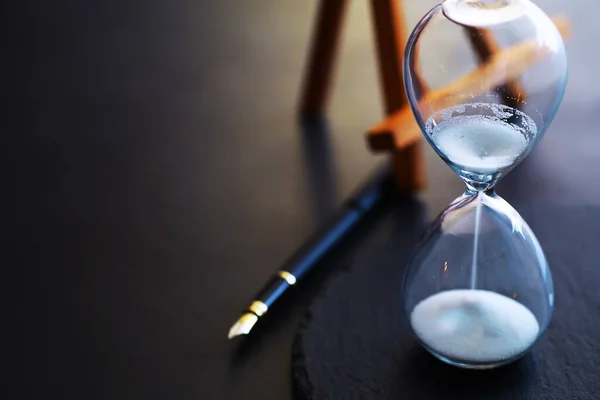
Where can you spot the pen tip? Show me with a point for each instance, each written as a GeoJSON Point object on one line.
{"type": "Point", "coordinates": [242, 325]}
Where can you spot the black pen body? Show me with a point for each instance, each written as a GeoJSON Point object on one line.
{"type": "Point", "coordinates": [305, 258]}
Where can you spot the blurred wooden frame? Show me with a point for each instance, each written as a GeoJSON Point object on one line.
{"type": "Point", "coordinates": [399, 133]}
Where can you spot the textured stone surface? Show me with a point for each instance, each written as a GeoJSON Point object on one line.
{"type": "Point", "coordinates": [356, 343]}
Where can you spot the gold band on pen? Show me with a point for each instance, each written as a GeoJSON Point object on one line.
{"type": "Point", "coordinates": [258, 307]}
{"type": "Point", "coordinates": [291, 279]}
{"type": "Point", "coordinates": [248, 320]}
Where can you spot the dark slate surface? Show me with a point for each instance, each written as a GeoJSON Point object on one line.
{"type": "Point", "coordinates": [355, 343]}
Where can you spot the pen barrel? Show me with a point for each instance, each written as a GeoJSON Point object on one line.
{"type": "Point", "coordinates": [322, 242]}
{"type": "Point", "coordinates": [337, 228]}
{"type": "Point", "coordinates": [304, 259]}
{"type": "Point", "coordinates": [274, 288]}
{"type": "Point", "coordinates": [313, 250]}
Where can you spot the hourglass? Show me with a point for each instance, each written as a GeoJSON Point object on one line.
{"type": "Point", "coordinates": [477, 290]}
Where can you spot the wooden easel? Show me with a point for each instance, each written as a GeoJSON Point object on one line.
{"type": "Point", "coordinates": [399, 133]}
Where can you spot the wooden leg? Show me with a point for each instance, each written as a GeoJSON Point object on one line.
{"type": "Point", "coordinates": [485, 47]}
{"type": "Point", "coordinates": [322, 56]}
{"type": "Point", "coordinates": [390, 36]}
{"type": "Point", "coordinates": [388, 21]}
{"type": "Point", "coordinates": [409, 167]}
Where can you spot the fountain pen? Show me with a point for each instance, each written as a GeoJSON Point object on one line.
{"type": "Point", "coordinates": [308, 255]}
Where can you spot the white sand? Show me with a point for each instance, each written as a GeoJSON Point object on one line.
{"type": "Point", "coordinates": [479, 144]}
{"type": "Point", "coordinates": [474, 325]}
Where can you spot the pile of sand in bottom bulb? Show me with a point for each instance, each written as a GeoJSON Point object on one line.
{"type": "Point", "coordinates": [474, 325]}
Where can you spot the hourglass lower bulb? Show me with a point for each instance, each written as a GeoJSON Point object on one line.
{"type": "Point", "coordinates": [478, 291]}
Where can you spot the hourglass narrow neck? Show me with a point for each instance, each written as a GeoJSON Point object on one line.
{"type": "Point", "coordinates": [488, 191]}
{"type": "Point", "coordinates": [479, 181]}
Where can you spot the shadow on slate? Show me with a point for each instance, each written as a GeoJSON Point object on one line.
{"type": "Point", "coordinates": [355, 341]}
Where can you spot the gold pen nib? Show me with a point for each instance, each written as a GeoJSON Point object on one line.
{"type": "Point", "coordinates": [243, 325]}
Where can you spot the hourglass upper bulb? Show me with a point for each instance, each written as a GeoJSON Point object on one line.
{"type": "Point", "coordinates": [484, 80]}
